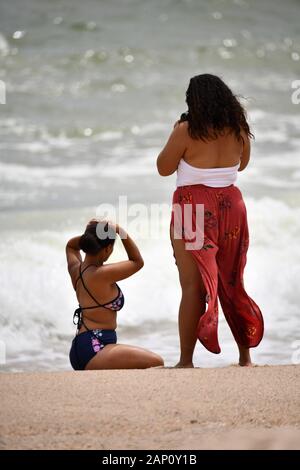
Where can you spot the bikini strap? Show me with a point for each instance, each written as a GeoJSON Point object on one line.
{"type": "Point", "coordinates": [81, 272]}
{"type": "Point", "coordinates": [112, 301]}
{"type": "Point", "coordinates": [78, 319]}
{"type": "Point", "coordinates": [95, 300]}
{"type": "Point", "coordinates": [83, 283]}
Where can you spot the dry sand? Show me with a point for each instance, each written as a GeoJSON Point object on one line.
{"type": "Point", "coordinates": [226, 408]}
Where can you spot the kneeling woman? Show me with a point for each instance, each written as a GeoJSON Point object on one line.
{"type": "Point", "coordinates": [100, 298]}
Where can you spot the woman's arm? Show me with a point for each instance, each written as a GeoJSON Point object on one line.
{"type": "Point", "coordinates": [73, 250]}
{"type": "Point", "coordinates": [245, 157]}
{"type": "Point", "coordinates": [73, 253]}
{"type": "Point", "coordinates": [117, 271]}
{"type": "Point", "coordinates": [168, 159]}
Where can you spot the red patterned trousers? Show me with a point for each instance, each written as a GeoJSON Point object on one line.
{"type": "Point", "coordinates": [221, 261]}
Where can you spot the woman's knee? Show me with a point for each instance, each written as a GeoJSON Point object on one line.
{"type": "Point", "coordinates": [145, 359]}
{"type": "Point", "coordinates": [156, 360]}
{"type": "Point", "coordinates": [192, 285]}
{"type": "Point", "coordinates": [152, 360]}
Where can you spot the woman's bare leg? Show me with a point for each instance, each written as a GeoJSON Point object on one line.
{"type": "Point", "coordinates": [121, 356]}
{"type": "Point", "coordinates": [192, 303]}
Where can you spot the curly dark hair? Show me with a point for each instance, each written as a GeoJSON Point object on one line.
{"type": "Point", "coordinates": [212, 107]}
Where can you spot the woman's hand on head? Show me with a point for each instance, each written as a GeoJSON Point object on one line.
{"type": "Point", "coordinates": [103, 221]}
{"type": "Point", "coordinates": [114, 226]}
{"type": "Point", "coordinates": [92, 221]}
{"type": "Point", "coordinates": [118, 229]}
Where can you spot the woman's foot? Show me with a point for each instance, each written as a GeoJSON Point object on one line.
{"type": "Point", "coordinates": [245, 359]}
{"type": "Point", "coordinates": [245, 363]}
{"type": "Point", "coordinates": [184, 365]}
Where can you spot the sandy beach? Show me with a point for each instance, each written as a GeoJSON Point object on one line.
{"type": "Point", "coordinates": [225, 408]}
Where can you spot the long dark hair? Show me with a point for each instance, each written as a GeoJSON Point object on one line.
{"type": "Point", "coordinates": [97, 235]}
{"type": "Point", "coordinates": [212, 107]}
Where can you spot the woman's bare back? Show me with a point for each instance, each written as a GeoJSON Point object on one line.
{"type": "Point", "coordinates": [100, 317]}
{"type": "Point", "coordinates": [224, 151]}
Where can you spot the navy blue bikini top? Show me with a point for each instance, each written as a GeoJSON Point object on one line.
{"type": "Point", "coordinates": [115, 304]}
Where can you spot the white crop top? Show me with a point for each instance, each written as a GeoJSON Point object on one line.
{"type": "Point", "coordinates": [215, 177]}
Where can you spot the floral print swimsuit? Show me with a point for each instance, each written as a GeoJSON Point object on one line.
{"type": "Point", "coordinates": [87, 344]}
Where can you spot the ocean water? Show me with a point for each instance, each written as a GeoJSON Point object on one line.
{"type": "Point", "coordinates": [92, 92]}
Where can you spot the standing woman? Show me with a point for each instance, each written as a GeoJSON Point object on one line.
{"type": "Point", "coordinates": [207, 147]}
{"type": "Point", "coordinates": [100, 299]}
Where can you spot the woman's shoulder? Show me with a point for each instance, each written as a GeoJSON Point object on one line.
{"type": "Point", "coordinates": [181, 129]}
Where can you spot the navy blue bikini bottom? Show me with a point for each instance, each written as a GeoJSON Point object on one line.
{"type": "Point", "coordinates": [86, 345]}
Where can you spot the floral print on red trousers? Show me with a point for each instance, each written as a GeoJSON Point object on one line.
{"type": "Point", "coordinates": [221, 262]}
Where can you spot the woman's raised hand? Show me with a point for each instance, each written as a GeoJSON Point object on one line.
{"type": "Point", "coordinates": [114, 226]}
